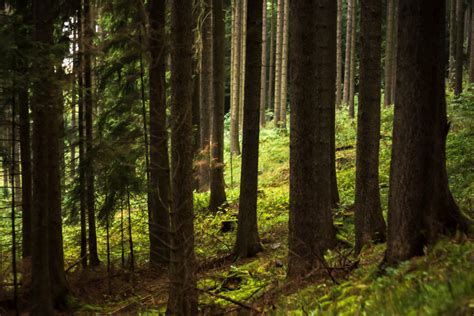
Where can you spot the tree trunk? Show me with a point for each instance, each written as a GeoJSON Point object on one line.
{"type": "Point", "coordinates": [395, 53]}
{"type": "Point", "coordinates": [49, 288]}
{"type": "Point", "coordinates": [389, 52]}
{"type": "Point", "coordinates": [243, 43]}
{"type": "Point", "coordinates": [182, 292]}
{"type": "Point", "coordinates": [206, 96]}
{"type": "Point", "coordinates": [248, 242]}
{"type": "Point", "coordinates": [88, 108]}
{"type": "Point", "coordinates": [271, 68]}
{"type": "Point", "coordinates": [284, 66]}
{"type": "Point", "coordinates": [471, 51]}
{"type": "Point", "coordinates": [452, 43]}
{"type": "Point", "coordinates": [313, 60]}
{"type": "Point", "coordinates": [353, 61]}
{"type": "Point", "coordinates": [370, 224]}
{"type": "Point", "coordinates": [278, 52]}
{"type": "Point", "coordinates": [235, 102]}
{"type": "Point", "coordinates": [339, 54]}
{"type": "Point", "coordinates": [218, 197]}
{"type": "Point", "coordinates": [459, 47]}
{"type": "Point", "coordinates": [421, 206]}
{"type": "Point", "coordinates": [263, 75]}
{"type": "Point", "coordinates": [347, 62]}
{"type": "Point", "coordinates": [159, 161]}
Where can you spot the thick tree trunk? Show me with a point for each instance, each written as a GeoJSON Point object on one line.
{"type": "Point", "coordinates": [347, 62]}
{"type": "Point", "coordinates": [471, 50]}
{"type": "Point", "coordinates": [88, 109]}
{"type": "Point", "coordinates": [339, 54]}
{"type": "Point", "coordinates": [389, 52]}
{"type": "Point", "coordinates": [459, 47]}
{"type": "Point", "coordinates": [248, 242]}
{"type": "Point", "coordinates": [278, 54]}
{"type": "Point", "coordinates": [263, 75]}
{"type": "Point", "coordinates": [182, 292]}
{"type": "Point", "coordinates": [284, 65]}
{"type": "Point", "coordinates": [370, 224]}
{"type": "Point", "coordinates": [353, 61]}
{"type": "Point", "coordinates": [395, 53]}
{"type": "Point", "coordinates": [235, 98]}
{"type": "Point", "coordinates": [159, 162]}
{"type": "Point", "coordinates": [206, 96]}
{"type": "Point", "coordinates": [218, 197]}
{"type": "Point", "coordinates": [421, 206]}
{"type": "Point", "coordinates": [313, 60]}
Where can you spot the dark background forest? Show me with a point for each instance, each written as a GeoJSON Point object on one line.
{"type": "Point", "coordinates": [225, 156]}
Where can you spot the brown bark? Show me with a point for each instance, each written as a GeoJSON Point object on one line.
{"type": "Point", "coordinates": [353, 61]}
{"type": "Point", "coordinates": [248, 242]}
{"type": "Point", "coordinates": [235, 98]}
{"type": "Point", "coordinates": [313, 60]}
{"type": "Point", "coordinates": [370, 224]}
{"type": "Point", "coordinates": [271, 68]}
{"type": "Point", "coordinates": [263, 75]}
{"type": "Point", "coordinates": [218, 197]}
{"type": "Point", "coordinates": [243, 52]}
{"type": "Point", "coordinates": [88, 109]}
{"type": "Point", "coordinates": [395, 54]}
{"type": "Point", "coordinates": [459, 47]}
{"type": "Point", "coordinates": [347, 63]}
{"type": "Point", "coordinates": [278, 54]}
{"type": "Point", "coordinates": [339, 54]}
{"type": "Point", "coordinates": [206, 96]}
{"type": "Point", "coordinates": [182, 292]}
{"type": "Point", "coordinates": [421, 206]}
{"type": "Point", "coordinates": [389, 52]}
{"type": "Point", "coordinates": [452, 43]}
{"type": "Point", "coordinates": [471, 51]}
{"type": "Point", "coordinates": [284, 65]}
{"type": "Point", "coordinates": [159, 162]}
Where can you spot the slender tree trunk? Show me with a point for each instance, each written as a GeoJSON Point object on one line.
{"type": "Point", "coordinates": [82, 156]}
{"type": "Point", "coordinates": [284, 65]}
{"type": "Point", "coordinates": [471, 50]}
{"type": "Point", "coordinates": [130, 236]}
{"type": "Point", "coordinates": [353, 61]}
{"type": "Point", "coordinates": [182, 292]}
{"type": "Point", "coordinates": [459, 47]}
{"type": "Point", "coordinates": [278, 53]}
{"type": "Point", "coordinates": [196, 90]}
{"type": "Point", "coordinates": [243, 52]}
{"type": "Point", "coordinates": [263, 75]}
{"type": "Point", "coordinates": [421, 206]}
{"type": "Point", "coordinates": [370, 224]}
{"type": "Point", "coordinates": [271, 68]}
{"type": "Point", "coordinates": [248, 242]}
{"type": "Point", "coordinates": [88, 109]}
{"type": "Point", "coordinates": [452, 43]}
{"type": "Point", "coordinates": [235, 102]}
{"type": "Point", "coordinates": [159, 161]}
{"type": "Point", "coordinates": [347, 62]}
{"type": "Point", "coordinates": [389, 52]}
{"type": "Point", "coordinates": [218, 197]}
{"type": "Point", "coordinates": [395, 53]}
{"type": "Point", "coordinates": [339, 54]}
{"type": "Point", "coordinates": [206, 95]}
{"type": "Point", "coordinates": [313, 60]}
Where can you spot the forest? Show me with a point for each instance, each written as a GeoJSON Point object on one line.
{"type": "Point", "coordinates": [214, 157]}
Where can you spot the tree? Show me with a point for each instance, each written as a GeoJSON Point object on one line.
{"type": "Point", "coordinates": [370, 225]}
{"type": "Point", "coordinates": [159, 162]}
{"type": "Point", "coordinates": [278, 53]}
{"type": "Point", "coordinates": [248, 242]}
{"type": "Point", "coordinates": [235, 97]}
{"type": "Point", "coordinates": [206, 95]}
{"type": "Point", "coordinates": [263, 75]}
{"type": "Point", "coordinates": [459, 47]}
{"type": "Point", "coordinates": [182, 292]}
{"type": "Point", "coordinates": [389, 52]}
{"type": "Point", "coordinates": [452, 42]}
{"type": "Point", "coordinates": [313, 60]}
{"type": "Point", "coordinates": [49, 286]}
{"type": "Point", "coordinates": [471, 52]}
{"type": "Point", "coordinates": [284, 65]}
{"type": "Point", "coordinates": [421, 206]}
{"type": "Point", "coordinates": [218, 197]}
{"type": "Point", "coordinates": [347, 63]}
{"type": "Point", "coordinates": [339, 54]}
{"type": "Point", "coordinates": [353, 62]}
{"type": "Point", "coordinates": [88, 109]}
{"type": "Point", "coordinates": [271, 68]}
{"type": "Point", "coordinates": [243, 51]}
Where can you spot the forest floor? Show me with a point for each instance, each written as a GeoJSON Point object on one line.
{"type": "Point", "coordinates": [440, 283]}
